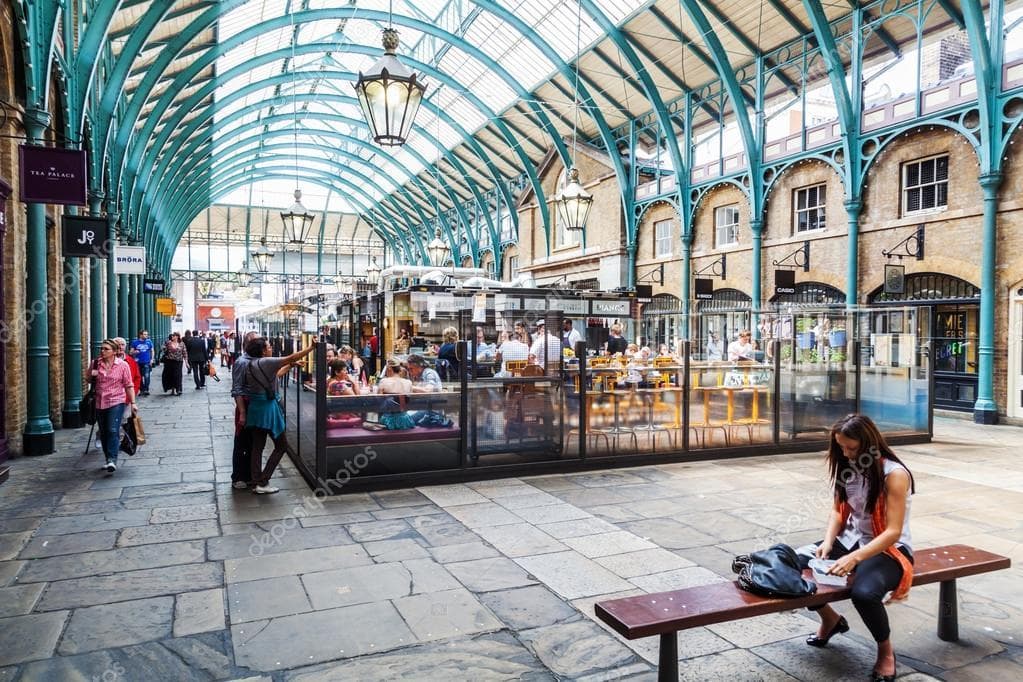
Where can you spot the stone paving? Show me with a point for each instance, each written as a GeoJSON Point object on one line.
{"type": "Point", "coordinates": [163, 571]}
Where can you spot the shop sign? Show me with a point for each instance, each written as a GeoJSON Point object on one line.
{"type": "Point", "coordinates": [52, 176]}
{"type": "Point", "coordinates": [434, 301]}
{"type": "Point", "coordinates": [153, 286]}
{"type": "Point", "coordinates": [571, 306]}
{"type": "Point", "coordinates": [165, 305]}
{"type": "Point", "coordinates": [611, 308]}
{"type": "Point", "coordinates": [895, 279]}
{"type": "Point", "coordinates": [129, 260]}
{"type": "Point", "coordinates": [704, 289]}
{"type": "Point", "coordinates": [84, 236]}
{"type": "Point", "coordinates": [503, 302]}
{"type": "Point", "coordinates": [534, 304]}
{"type": "Point", "coordinates": [784, 282]}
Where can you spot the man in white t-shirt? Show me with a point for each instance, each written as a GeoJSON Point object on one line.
{"type": "Point", "coordinates": [545, 346]}
{"type": "Point", "coordinates": [512, 349]}
{"type": "Point", "coordinates": [569, 335]}
{"type": "Point", "coordinates": [742, 348]}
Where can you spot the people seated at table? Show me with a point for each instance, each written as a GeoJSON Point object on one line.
{"type": "Point", "coordinates": [395, 380]}
{"type": "Point", "coordinates": [424, 379]}
{"type": "Point", "coordinates": [512, 349]}
{"type": "Point", "coordinates": [340, 383]}
{"type": "Point", "coordinates": [403, 342]}
{"type": "Point", "coordinates": [524, 334]}
{"type": "Point", "coordinates": [616, 343]}
{"type": "Point", "coordinates": [356, 365]}
{"type": "Point", "coordinates": [741, 349]}
{"type": "Point", "coordinates": [484, 351]}
{"type": "Point", "coordinates": [447, 354]}
{"type": "Point", "coordinates": [545, 346]}
{"type": "Point", "coordinates": [714, 350]}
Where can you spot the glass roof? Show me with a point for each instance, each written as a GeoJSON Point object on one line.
{"type": "Point", "coordinates": [308, 85]}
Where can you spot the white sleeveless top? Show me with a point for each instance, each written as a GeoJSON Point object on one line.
{"type": "Point", "coordinates": [858, 528]}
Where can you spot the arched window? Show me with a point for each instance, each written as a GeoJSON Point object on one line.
{"type": "Point", "coordinates": [929, 286]}
{"type": "Point", "coordinates": [810, 293]}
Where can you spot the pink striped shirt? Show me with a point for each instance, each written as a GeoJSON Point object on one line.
{"type": "Point", "coordinates": [112, 383]}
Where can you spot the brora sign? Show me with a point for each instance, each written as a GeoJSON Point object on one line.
{"type": "Point", "coordinates": [129, 260]}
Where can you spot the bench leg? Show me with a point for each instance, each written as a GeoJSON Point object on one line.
{"type": "Point", "coordinates": [667, 661]}
{"type": "Point", "coordinates": [948, 612]}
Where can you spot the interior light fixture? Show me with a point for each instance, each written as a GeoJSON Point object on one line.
{"type": "Point", "coordinates": [438, 250]}
{"type": "Point", "coordinates": [373, 272]}
{"type": "Point", "coordinates": [262, 256]}
{"type": "Point", "coordinates": [389, 94]}
{"type": "Point", "coordinates": [573, 202]}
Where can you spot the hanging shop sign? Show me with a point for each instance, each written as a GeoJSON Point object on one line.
{"type": "Point", "coordinates": [129, 260]}
{"type": "Point", "coordinates": [895, 279]}
{"type": "Point", "coordinates": [571, 306]}
{"type": "Point", "coordinates": [52, 176]}
{"type": "Point", "coordinates": [784, 282]}
{"type": "Point", "coordinates": [154, 286]}
{"type": "Point", "coordinates": [165, 305]}
{"type": "Point", "coordinates": [85, 236]}
{"type": "Point", "coordinates": [704, 289]}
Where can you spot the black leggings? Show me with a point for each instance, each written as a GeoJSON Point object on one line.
{"type": "Point", "coordinates": [873, 579]}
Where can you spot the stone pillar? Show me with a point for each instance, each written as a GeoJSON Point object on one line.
{"type": "Point", "coordinates": [38, 435]}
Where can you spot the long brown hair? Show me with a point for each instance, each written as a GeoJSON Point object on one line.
{"type": "Point", "coordinates": [873, 448]}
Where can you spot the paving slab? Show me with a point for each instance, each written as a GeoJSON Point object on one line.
{"type": "Point", "coordinates": [371, 531]}
{"type": "Point", "coordinates": [551, 513]}
{"type": "Point", "coordinates": [113, 561]}
{"type": "Point", "coordinates": [53, 545]}
{"type": "Point", "coordinates": [520, 539]}
{"type": "Point", "coordinates": [453, 613]}
{"type": "Point", "coordinates": [357, 585]}
{"type": "Point", "coordinates": [572, 575]}
{"type": "Point", "coordinates": [19, 599]}
{"type": "Point", "coordinates": [265, 599]}
{"type": "Point", "coordinates": [606, 544]}
{"type": "Point", "coordinates": [484, 514]}
{"type": "Point", "coordinates": [152, 582]}
{"type": "Point", "coordinates": [497, 656]}
{"type": "Point", "coordinates": [485, 575]}
{"type": "Point", "coordinates": [577, 527]}
{"type": "Point", "coordinates": [405, 512]}
{"type": "Point", "coordinates": [283, 536]}
{"type": "Point", "coordinates": [65, 525]}
{"type": "Point", "coordinates": [400, 498]}
{"type": "Point", "coordinates": [308, 638]}
{"type": "Point", "coordinates": [669, 533]}
{"type": "Point", "coordinates": [736, 664]}
{"type": "Point", "coordinates": [443, 530]}
{"type": "Point", "coordinates": [677, 579]}
{"type": "Point", "coordinates": [576, 649]}
{"type": "Point", "coordinates": [196, 612]}
{"type": "Point", "coordinates": [525, 608]}
{"type": "Point", "coordinates": [188, 513]}
{"type": "Point", "coordinates": [168, 532]}
{"type": "Point", "coordinates": [31, 637]}
{"type": "Point", "coordinates": [643, 562]}
{"type": "Point", "coordinates": [384, 551]}
{"type": "Point", "coordinates": [295, 563]}
{"type": "Point", "coordinates": [429, 576]}
{"type": "Point", "coordinates": [468, 551]}
{"type": "Point", "coordinates": [11, 544]}
{"type": "Point", "coordinates": [114, 625]}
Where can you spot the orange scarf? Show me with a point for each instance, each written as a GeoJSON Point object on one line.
{"type": "Point", "coordinates": [878, 522]}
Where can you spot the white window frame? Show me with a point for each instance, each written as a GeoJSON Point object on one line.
{"type": "Point", "coordinates": [663, 242]}
{"type": "Point", "coordinates": [732, 226]}
{"type": "Point", "coordinates": [513, 267]}
{"type": "Point", "coordinates": [921, 187]}
{"type": "Point", "coordinates": [818, 209]}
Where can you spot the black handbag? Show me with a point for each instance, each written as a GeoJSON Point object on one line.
{"type": "Point", "coordinates": [87, 405]}
{"type": "Point", "coordinates": [129, 441]}
{"type": "Point", "coordinates": [773, 572]}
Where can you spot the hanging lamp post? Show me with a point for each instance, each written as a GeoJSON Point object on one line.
{"type": "Point", "coordinates": [438, 250]}
{"type": "Point", "coordinates": [373, 273]}
{"type": "Point", "coordinates": [244, 275]}
{"type": "Point", "coordinates": [573, 202]}
{"type": "Point", "coordinates": [297, 221]}
{"type": "Point", "coordinates": [390, 95]}
{"type": "Point", "coordinates": [262, 256]}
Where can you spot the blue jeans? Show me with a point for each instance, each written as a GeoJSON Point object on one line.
{"type": "Point", "coordinates": [145, 370]}
{"type": "Point", "coordinates": [108, 422]}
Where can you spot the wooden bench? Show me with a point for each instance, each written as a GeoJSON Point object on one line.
{"type": "Point", "coordinates": [666, 613]}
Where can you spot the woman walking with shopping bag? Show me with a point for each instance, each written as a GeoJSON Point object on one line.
{"type": "Point", "coordinates": [114, 392]}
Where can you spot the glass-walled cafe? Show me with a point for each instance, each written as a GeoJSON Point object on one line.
{"type": "Point", "coordinates": [527, 386]}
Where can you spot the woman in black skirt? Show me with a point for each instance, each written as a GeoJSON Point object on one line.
{"type": "Point", "coordinates": [173, 358]}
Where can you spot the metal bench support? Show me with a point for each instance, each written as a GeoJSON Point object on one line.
{"type": "Point", "coordinates": [948, 612]}
{"type": "Point", "coordinates": [667, 660]}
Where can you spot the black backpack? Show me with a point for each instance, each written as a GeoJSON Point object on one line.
{"type": "Point", "coordinates": [773, 572]}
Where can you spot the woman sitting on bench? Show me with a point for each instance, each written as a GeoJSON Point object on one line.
{"type": "Point", "coordinates": [867, 533]}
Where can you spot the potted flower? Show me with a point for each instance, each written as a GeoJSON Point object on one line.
{"type": "Point", "coordinates": [805, 338]}
{"type": "Point", "coordinates": [837, 337]}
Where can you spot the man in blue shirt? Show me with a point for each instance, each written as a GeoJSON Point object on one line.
{"type": "Point", "coordinates": [142, 351]}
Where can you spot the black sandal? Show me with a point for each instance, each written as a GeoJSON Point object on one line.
{"type": "Point", "coordinates": [878, 677]}
{"type": "Point", "coordinates": [820, 642]}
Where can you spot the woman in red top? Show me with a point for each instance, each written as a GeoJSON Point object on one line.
{"type": "Point", "coordinates": [133, 367]}
{"type": "Point", "coordinates": [114, 390]}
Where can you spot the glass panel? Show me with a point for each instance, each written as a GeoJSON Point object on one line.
{"type": "Point", "coordinates": [894, 383]}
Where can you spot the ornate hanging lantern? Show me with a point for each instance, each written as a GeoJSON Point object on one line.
{"type": "Point", "coordinates": [390, 95]}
